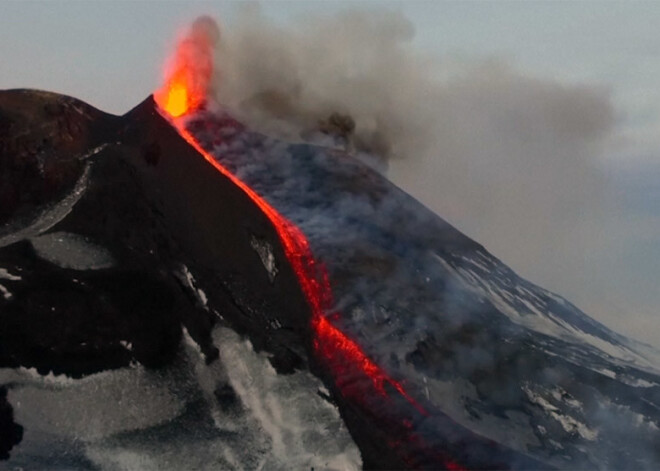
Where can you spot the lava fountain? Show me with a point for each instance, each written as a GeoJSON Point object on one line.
{"type": "Point", "coordinates": [189, 70]}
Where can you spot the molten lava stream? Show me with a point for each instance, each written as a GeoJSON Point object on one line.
{"type": "Point", "coordinates": [344, 359]}
{"type": "Point", "coordinates": [332, 345]}
{"type": "Point", "coordinates": [181, 96]}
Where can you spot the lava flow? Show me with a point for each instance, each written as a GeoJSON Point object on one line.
{"type": "Point", "coordinates": [339, 352]}
{"type": "Point", "coordinates": [343, 358]}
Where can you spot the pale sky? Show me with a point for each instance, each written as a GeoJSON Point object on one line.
{"type": "Point", "coordinates": [110, 54]}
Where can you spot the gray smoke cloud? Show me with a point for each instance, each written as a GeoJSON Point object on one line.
{"type": "Point", "coordinates": [351, 75]}
{"type": "Point", "coordinates": [508, 158]}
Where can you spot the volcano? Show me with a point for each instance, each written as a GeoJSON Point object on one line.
{"type": "Point", "coordinates": [187, 293]}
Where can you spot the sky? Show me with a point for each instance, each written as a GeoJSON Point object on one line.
{"type": "Point", "coordinates": [532, 127]}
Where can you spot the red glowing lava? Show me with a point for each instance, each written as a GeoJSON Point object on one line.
{"type": "Point", "coordinates": [189, 72]}
{"type": "Point", "coordinates": [343, 356]}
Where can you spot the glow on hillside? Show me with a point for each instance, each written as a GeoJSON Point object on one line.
{"type": "Point", "coordinates": [176, 101]}
{"type": "Point", "coordinates": [189, 71]}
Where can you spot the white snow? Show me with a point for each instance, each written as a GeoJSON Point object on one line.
{"type": "Point", "coordinates": [72, 251]}
{"type": "Point", "coordinates": [639, 383]}
{"type": "Point", "coordinates": [278, 422]}
{"type": "Point", "coordinates": [454, 395]}
{"type": "Point", "coordinates": [625, 413]}
{"type": "Point", "coordinates": [538, 317]}
{"type": "Point", "coordinates": [305, 430]}
{"type": "Point", "coordinates": [190, 281]}
{"type": "Point", "coordinates": [568, 423]}
{"type": "Point", "coordinates": [93, 407]}
{"type": "Point", "coordinates": [476, 263]}
{"type": "Point", "coordinates": [5, 292]}
{"type": "Point", "coordinates": [5, 275]}
{"type": "Point", "coordinates": [51, 215]}
{"type": "Point", "coordinates": [95, 151]}
{"type": "Point", "coordinates": [265, 252]}
{"type": "Point", "coordinates": [606, 372]}
{"type": "Point", "coordinates": [561, 396]}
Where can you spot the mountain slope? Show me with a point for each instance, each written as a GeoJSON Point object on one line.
{"type": "Point", "coordinates": [133, 278]}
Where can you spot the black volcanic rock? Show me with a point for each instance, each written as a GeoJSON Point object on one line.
{"type": "Point", "coordinates": [73, 320]}
{"type": "Point", "coordinates": [97, 272]}
{"type": "Point", "coordinates": [10, 432]}
{"type": "Point", "coordinates": [216, 225]}
{"type": "Point", "coordinates": [43, 139]}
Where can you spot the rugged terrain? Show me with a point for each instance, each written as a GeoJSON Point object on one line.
{"type": "Point", "coordinates": [152, 310]}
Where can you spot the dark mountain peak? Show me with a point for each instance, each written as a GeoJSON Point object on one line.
{"type": "Point", "coordinates": [44, 138]}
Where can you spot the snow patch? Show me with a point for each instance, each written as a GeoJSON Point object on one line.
{"type": "Point", "coordinates": [49, 216]}
{"type": "Point", "coordinates": [190, 281]}
{"type": "Point", "coordinates": [639, 383]}
{"type": "Point", "coordinates": [608, 373]}
{"type": "Point", "coordinates": [32, 376]}
{"type": "Point", "coordinates": [569, 424]}
{"type": "Point", "coordinates": [93, 407]}
{"type": "Point", "coordinates": [635, 418]}
{"type": "Point", "coordinates": [5, 275]}
{"type": "Point", "coordinates": [305, 430]}
{"type": "Point", "coordinates": [95, 151]}
{"type": "Point", "coordinates": [562, 396]}
{"type": "Point", "coordinates": [531, 311]}
{"type": "Point", "coordinates": [265, 252]}
{"type": "Point", "coordinates": [5, 293]}
{"type": "Point", "coordinates": [72, 251]}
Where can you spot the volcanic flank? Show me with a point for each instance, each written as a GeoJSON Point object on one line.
{"type": "Point", "coordinates": [181, 291]}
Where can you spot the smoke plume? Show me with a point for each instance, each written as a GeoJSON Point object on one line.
{"type": "Point", "coordinates": [508, 158]}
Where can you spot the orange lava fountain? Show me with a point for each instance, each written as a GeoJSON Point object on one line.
{"type": "Point", "coordinates": [190, 70]}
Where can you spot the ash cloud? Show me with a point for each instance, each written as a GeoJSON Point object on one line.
{"type": "Point", "coordinates": [362, 64]}
{"type": "Point", "coordinates": [351, 75]}
{"type": "Point", "coordinates": [510, 159]}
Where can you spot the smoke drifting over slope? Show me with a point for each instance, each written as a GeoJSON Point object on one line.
{"type": "Point", "coordinates": [363, 64]}
{"type": "Point", "coordinates": [508, 158]}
